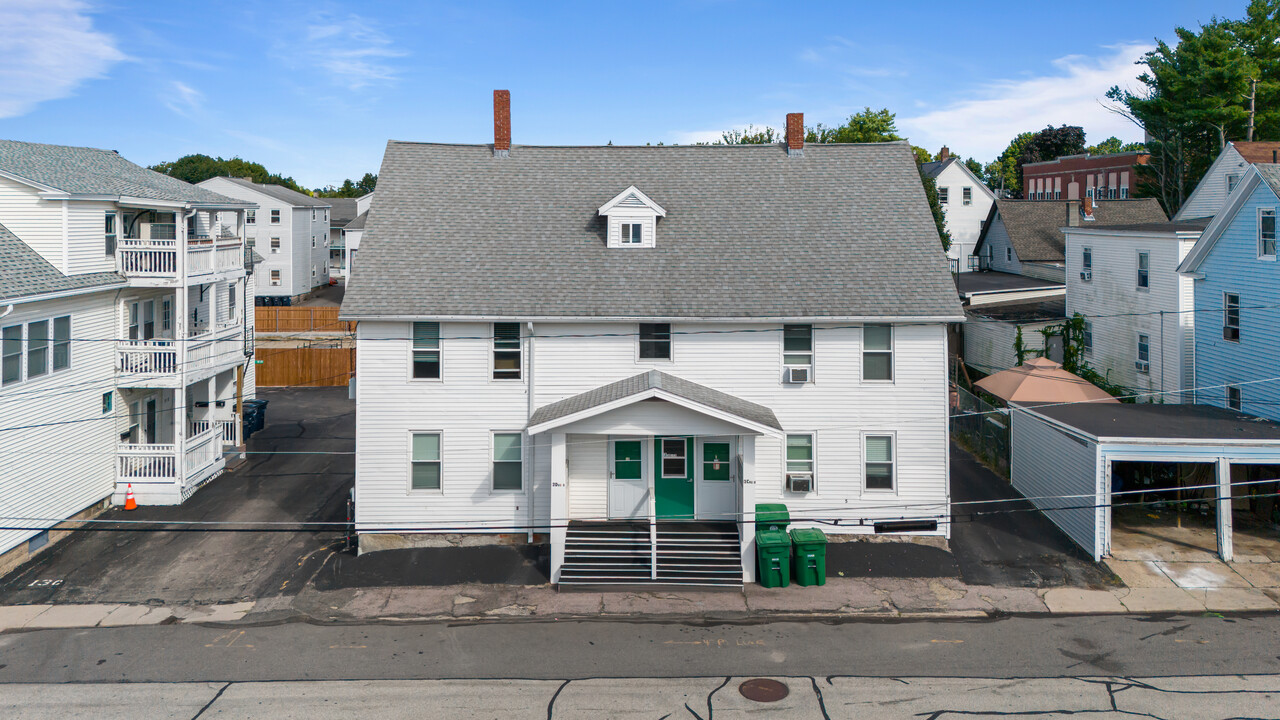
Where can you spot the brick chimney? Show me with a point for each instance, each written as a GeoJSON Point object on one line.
{"type": "Point", "coordinates": [501, 123]}
{"type": "Point", "coordinates": [795, 134]}
{"type": "Point", "coordinates": [943, 154]}
{"type": "Point", "coordinates": [1087, 208]}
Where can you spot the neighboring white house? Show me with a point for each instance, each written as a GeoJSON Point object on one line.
{"type": "Point", "coordinates": [629, 347]}
{"type": "Point", "coordinates": [1227, 170]}
{"type": "Point", "coordinates": [1139, 312]}
{"type": "Point", "coordinates": [289, 230]}
{"type": "Point", "coordinates": [966, 203]}
{"type": "Point", "coordinates": [124, 335]}
{"type": "Point", "coordinates": [346, 223]}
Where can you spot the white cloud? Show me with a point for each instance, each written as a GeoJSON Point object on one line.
{"type": "Point", "coordinates": [183, 99]}
{"type": "Point", "coordinates": [351, 50]}
{"type": "Point", "coordinates": [50, 47]}
{"type": "Point", "coordinates": [982, 127]}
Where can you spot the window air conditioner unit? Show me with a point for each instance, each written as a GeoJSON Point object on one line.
{"type": "Point", "coordinates": [1086, 275]}
{"type": "Point", "coordinates": [1143, 366]}
{"type": "Point", "coordinates": [800, 482]}
{"type": "Point", "coordinates": [1230, 333]}
{"type": "Point", "coordinates": [797, 374]}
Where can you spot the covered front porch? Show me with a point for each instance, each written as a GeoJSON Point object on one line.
{"type": "Point", "coordinates": [652, 481]}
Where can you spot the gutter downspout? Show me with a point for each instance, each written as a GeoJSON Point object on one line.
{"type": "Point", "coordinates": [530, 468]}
{"type": "Point", "coordinates": [6, 312]}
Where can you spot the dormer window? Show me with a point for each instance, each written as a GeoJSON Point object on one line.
{"type": "Point", "coordinates": [632, 219]}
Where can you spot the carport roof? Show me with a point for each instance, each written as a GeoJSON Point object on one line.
{"type": "Point", "coordinates": [1162, 422]}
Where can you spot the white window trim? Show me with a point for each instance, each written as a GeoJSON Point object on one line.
{"type": "Point", "coordinates": [523, 440]}
{"type": "Point", "coordinates": [1087, 332]}
{"type": "Point", "coordinates": [1086, 253]}
{"type": "Point", "coordinates": [893, 448]}
{"type": "Point", "coordinates": [493, 349]}
{"type": "Point", "coordinates": [813, 446]}
{"type": "Point", "coordinates": [662, 456]}
{"type": "Point", "coordinates": [1137, 271]}
{"type": "Point", "coordinates": [1239, 315]}
{"type": "Point", "coordinates": [1137, 350]}
{"type": "Point", "coordinates": [893, 356]}
{"type": "Point", "coordinates": [1275, 241]}
{"type": "Point", "coordinates": [276, 278]}
{"type": "Point", "coordinates": [276, 217]}
{"type": "Point", "coordinates": [440, 355]}
{"type": "Point", "coordinates": [53, 344]}
{"type": "Point", "coordinates": [21, 355]}
{"type": "Point", "coordinates": [409, 488]}
{"type": "Point", "coordinates": [813, 354]}
{"type": "Point", "coordinates": [671, 354]}
{"type": "Point", "coordinates": [250, 217]}
{"type": "Point", "coordinates": [1239, 398]}
{"type": "Point", "coordinates": [966, 196]}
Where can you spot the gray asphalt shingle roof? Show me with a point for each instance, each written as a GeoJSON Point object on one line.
{"type": "Point", "coordinates": [656, 380]}
{"type": "Point", "coordinates": [359, 222]}
{"type": "Point", "coordinates": [1035, 226]}
{"type": "Point", "coordinates": [282, 193]}
{"type": "Point", "coordinates": [844, 231]}
{"type": "Point", "coordinates": [343, 211]}
{"type": "Point", "coordinates": [934, 169]}
{"type": "Point", "coordinates": [90, 171]}
{"type": "Point", "coordinates": [23, 272]}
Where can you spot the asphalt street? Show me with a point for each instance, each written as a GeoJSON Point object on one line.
{"type": "Point", "coordinates": [1010, 647]}
{"type": "Point", "coordinates": [211, 567]}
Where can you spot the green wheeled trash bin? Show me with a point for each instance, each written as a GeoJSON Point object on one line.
{"type": "Point", "coordinates": [772, 516]}
{"type": "Point", "coordinates": [811, 556]}
{"type": "Point", "coordinates": [773, 551]}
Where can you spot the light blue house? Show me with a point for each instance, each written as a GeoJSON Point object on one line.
{"type": "Point", "coordinates": [1237, 299]}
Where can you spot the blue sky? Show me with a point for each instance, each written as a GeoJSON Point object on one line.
{"type": "Point", "coordinates": [314, 90]}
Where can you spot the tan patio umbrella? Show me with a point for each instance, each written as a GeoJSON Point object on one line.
{"type": "Point", "coordinates": [1042, 380]}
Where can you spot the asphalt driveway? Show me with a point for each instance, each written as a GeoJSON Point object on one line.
{"type": "Point", "coordinates": [178, 567]}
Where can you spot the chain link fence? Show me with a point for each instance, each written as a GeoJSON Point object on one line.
{"type": "Point", "coordinates": [980, 428]}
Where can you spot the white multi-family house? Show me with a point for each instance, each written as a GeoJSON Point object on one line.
{"type": "Point", "coordinates": [1139, 319]}
{"type": "Point", "coordinates": [1222, 177]}
{"type": "Point", "coordinates": [346, 225]}
{"type": "Point", "coordinates": [289, 230]}
{"type": "Point", "coordinates": [125, 341]}
{"type": "Point", "coordinates": [628, 348]}
{"type": "Point", "coordinates": [966, 203]}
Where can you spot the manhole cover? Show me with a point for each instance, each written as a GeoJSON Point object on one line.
{"type": "Point", "coordinates": [763, 690]}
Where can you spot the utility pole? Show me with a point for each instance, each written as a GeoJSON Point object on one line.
{"type": "Point", "coordinates": [1253, 95]}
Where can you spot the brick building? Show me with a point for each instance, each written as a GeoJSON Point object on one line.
{"type": "Point", "coordinates": [1072, 177]}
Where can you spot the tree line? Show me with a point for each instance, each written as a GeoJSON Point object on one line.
{"type": "Point", "coordinates": [198, 168]}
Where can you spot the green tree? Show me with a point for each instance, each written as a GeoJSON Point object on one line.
{"type": "Point", "coordinates": [198, 168]}
{"type": "Point", "coordinates": [975, 167]}
{"type": "Point", "coordinates": [350, 188]}
{"type": "Point", "coordinates": [1005, 172]}
{"type": "Point", "coordinates": [868, 126]}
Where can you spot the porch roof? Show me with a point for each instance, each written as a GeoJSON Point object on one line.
{"type": "Point", "coordinates": [653, 384]}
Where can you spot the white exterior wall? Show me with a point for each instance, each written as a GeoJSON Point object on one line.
{"type": "Point", "coordinates": [1210, 194]}
{"type": "Point", "coordinates": [305, 256]}
{"type": "Point", "coordinates": [997, 246]}
{"type": "Point", "coordinates": [39, 223]}
{"type": "Point", "coordinates": [1119, 311]}
{"type": "Point", "coordinates": [1056, 470]}
{"type": "Point", "coordinates": [988, 344]}
{"type": "Point", "coordinates": [964, 222]}
{"type": "Point", "coordinates": [59, 470]}
{"type": "Point", "coordinates": [466, 406]}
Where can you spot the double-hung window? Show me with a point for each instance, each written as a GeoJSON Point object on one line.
{"type": "Point", "coordinates": [942, 195]}
{"type": "Point", "coordinates": [1144, 353]}
{"type": "Point", "coordinates": [1086, 263]}
{"type": "Point", "coordinates": [632, 234]}
{"type": "Point", "coordinates": [1144, 271]}
{"type": "Point", "coordinates": [878, 454]}
{"type": "Point", "coordinates": [966, 195]}
{"type": "Point", "coordinates": [275, 277]}
{"type": "Point", "coordinates": [37, 348]}
{"type": "Point", "coordinates": [506, 351]}
{"type": "Point", "coordinates": [1087, 340]}
{"type": "Point", "coordinates": [250, 217]}
{"type": "Point", "coordinates": [655, 341]}
{"type": "Point", "coordinates": [1267, 232]}
{"type": "Point", "coordinates": [1234, 400]}
{"type": "Point", "coordinates": [800, 456]}
{"type": "Point", "coordinates": [275, 217]}
{"type": "Point", "coordinates": [1008, 254]}
{"type": "Point", "coordinates": [1231, 182]}
{"type": "Point", "coordinates": [1230, 316]}
{"type": "Point", "coordinates": [62, 342]}
{"type": "Point", "coordinates": [877, 352]}
{"type": "Point", "coordinates": [797, 346]}
{"type": "Point", "coordinates": [109, 233]}
{"type": "Point", "coordinates": [508, 465]}
{"type": "Point", "coordinates": [275, 245]}
{"type": "Point", "coordinates": [426, 350]}
{"type": "Point", "coordinates": [11, 354]}
{"type": "Point", "coordinates": [424, 466]}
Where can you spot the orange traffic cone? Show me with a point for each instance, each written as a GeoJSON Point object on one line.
{"type": "Point", "coordinates": [129, 502]}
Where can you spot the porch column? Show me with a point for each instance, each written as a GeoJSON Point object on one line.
{"type": "Point", "coordinates": [558, 513]}
{"type": "Point", "coordinates": [747, 447]}
{"type": "Point", "coordinates": [1225, 550]}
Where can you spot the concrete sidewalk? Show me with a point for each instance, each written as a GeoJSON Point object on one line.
{"type": "Point", "coordinates": [840, 597]}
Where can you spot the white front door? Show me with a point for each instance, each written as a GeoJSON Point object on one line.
{"type": "Point", "coordinates": [716, 472]}
{"type": "Point", "coordinates": [628, 479]}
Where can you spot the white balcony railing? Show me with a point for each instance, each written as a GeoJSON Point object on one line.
{"type": "Point", "coordinates": [146, 463]}
{"type": "Point", "coordinates": [202, 450]}
{"type": "Point", "coordinates": [147, 357]}
{"type": "Point", "coordinates": [228, 429]}
{"type": "Point", "coordinates": [156, 257]}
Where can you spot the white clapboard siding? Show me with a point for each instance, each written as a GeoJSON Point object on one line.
{"type": "Point", "coordinates": [56, 470]}
{"type": "Point", "coordinates": [1118, 311]}
{"type": "Point", "coordinates": [36, 222]}
{"type": "Point", "coordinates": [1054, 470]}
{"type": "Point", "coordinates": [997, 245]}
{"type": "Point", "coordinates": [1053, 272]}
{"type": "Point", "coordinates": [86, 237]}
{"type": "Point", "coordinates": [466, 406]}
{"type": "Point", "coordinates": [988, 344]}
{"type": "Point", "coordinates": [588, 476]}
{"type": "Point", "coordinates": [1210, 194]}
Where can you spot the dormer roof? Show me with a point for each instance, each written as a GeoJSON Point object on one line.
{"type": "Point", "coordinates": [631, 199]}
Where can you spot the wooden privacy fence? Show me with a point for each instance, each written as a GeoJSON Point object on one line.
{"type": "Point", "coordinates": [300, 319]}
{"type": "Point", "coordinates": [305, 366]}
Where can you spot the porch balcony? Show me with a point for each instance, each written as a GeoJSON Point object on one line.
{"type": "Point", "coordinates": [169, 363]}
{"type": "Point", "coordinates": [154, 257]}
{"type": "Point", "coordinates": [160, 476]}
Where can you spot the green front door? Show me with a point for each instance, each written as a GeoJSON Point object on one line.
{"type": "Point", "coordinates": [673, 478]}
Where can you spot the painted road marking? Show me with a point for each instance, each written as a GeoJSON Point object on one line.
{"type": "Point", "coordinates": [954, 642]}
{"type": "Point", "coordinates": [719, 642]}
{"type": "Point", "coordinates": [230, 638]}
